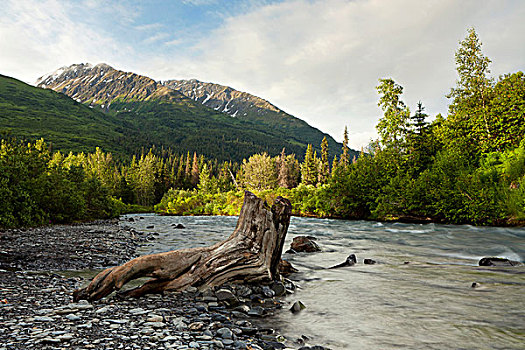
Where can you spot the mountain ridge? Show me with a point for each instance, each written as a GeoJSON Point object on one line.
{"type": "Point", "coordinates": [77, 81]}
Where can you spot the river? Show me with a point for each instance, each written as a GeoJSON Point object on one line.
{"type": "Point", "coordinates": [417, 296]}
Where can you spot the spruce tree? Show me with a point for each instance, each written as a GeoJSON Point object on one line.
{"type": "Point", "coordinates": [324, 172]}
{"type": "Point", "coordinates": [195, 170]}
{"type": "Point", "coordinates": [345, 156]}
{"type": "Point", "coordinates": [309, 167]}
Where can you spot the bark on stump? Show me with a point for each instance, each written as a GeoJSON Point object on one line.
{"type": "Point", "coordinates": [251, 254]}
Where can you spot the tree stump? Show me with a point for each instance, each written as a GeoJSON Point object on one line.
{"type": "Point", "coordinates": [251, 254]}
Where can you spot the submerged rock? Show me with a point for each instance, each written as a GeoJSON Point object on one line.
{"type": "Point", "coordinates": [369, 262]}
{"type": "Point", "coordinates": [305, 244]}
{"type": "Point", "coordinates": [178, 226]}
{"type": "Point", "coordinates": [350, 261]}
{"type": "Point", "coordinates": [495, 261]}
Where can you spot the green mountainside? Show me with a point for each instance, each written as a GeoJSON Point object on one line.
{"type": "Point", "coordinates": [223, 125]}
{"type": "Point", "coordinates": [245, 106]}
{"type": "Point", "coordinates": [126, 118]}
{"type": "Point", "coordinates": [32, 113]}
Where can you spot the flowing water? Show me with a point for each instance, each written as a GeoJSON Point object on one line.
{"type": "Point", "coordinates": [417, 296]}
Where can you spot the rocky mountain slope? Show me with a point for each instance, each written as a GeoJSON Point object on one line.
{"type": "Point", "coordinates": [178, 102]}
{"type": "Point", "coordinates": [246, 106]}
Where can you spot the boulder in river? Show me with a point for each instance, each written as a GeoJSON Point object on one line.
{"type": "Point", "coordinates": [178, 226]}
{"type": "Point", "coordinates": [369, 261]}
{"type": "Point", "coordinates": [495, 261]}
{"type": "Point", "coordinates": [305, 244]}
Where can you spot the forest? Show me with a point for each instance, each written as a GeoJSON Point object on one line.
{"type": "Point", "coordinates": [465, 168]}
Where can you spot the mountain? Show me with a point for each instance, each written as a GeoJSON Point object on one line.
{"type": "Point", "coordinates": [112, 90]}
{"type": "Point", "coordinates": [245, 106]}
{"type": "Point", "coordinates": [32, 113]}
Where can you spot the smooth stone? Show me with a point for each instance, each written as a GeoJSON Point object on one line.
{"type": "Point", "coordinates": [225, 333]}
{"type": "Point", "coordinates": [256, 311]}
{"type": "Point", "coordinates": [103, 310]}
{"type": "Point", "coordinates": [196, 326]}
{"type": "Point", "coordinates": [179, 323]}
{"type": "Point", "coordinates": [225, 294]}
{"type": "Point", "coordinates": [194, 345]}
{"type": "Point", "coordinates": [297, 307]}
{"type": "Point", "coordinates": [65, 337]}
{"type": "Point", "coordinates": [117, 321]}
{"type": "Point", "coordinates": [496, 261]}
{"type": "Point", "coordinates": [155, 324]}
{"type": "Point", "coordinates": [239, 345]}
{"type": "Point", "coordinates": [154, 318]}
{"type": "Point", "coordinates": [227, 342]}
{"type": "Point", "coordinates": [304, 244]}
{"type": "Point", "coordinates": [51, 341]}
{"type": "Point", "coordinates": [73, 317]}
{"type": "Point", "coordinates": [278, 288]}
{"type": "Point", "coordinates": [44, 319]}
{"type": "Point", "coordinates": [243, 308]}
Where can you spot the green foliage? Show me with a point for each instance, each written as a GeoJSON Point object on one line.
{"type": "Point", "coordinates": [393, 126]}
{"type": "Point", "coordinates": [130, 125]}
{"type": "Point", "coordinates": [37, 188]}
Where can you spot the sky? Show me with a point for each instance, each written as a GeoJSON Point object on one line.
{"type": "Point", "coordinates": [319, 60]}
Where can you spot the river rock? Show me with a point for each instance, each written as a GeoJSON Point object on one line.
{"type": "Point", "coordinates": [495, 261]}
{"type": "Point", "coordinates": [224, 294]}
{"type": "Point", "coordinates": [225, 333]}
{"type": "Point", "coordinates": [350, 261]}
{"type": "Point", "coordinates": [369, 262]}
{"type": "Point", "coordinates": [285, 268]}
{"type": "Point", "coordinates": [304, 244]}
{"type": "Point", "coordinates": [297, 307]}
{"type": "Point", "coordinates": [178, 226]}
{"type": "Point", "coordinates": [278, 288]}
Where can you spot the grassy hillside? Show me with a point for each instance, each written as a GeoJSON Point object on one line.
{"type": "Point", "coordinates": [128, 126]}
{"type": "Point", "coordinates": [33, 113]}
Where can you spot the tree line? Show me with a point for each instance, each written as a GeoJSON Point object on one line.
{"type": "Point", "coordinates": [466, 168]}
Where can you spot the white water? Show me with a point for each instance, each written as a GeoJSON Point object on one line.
{"type": "Point", "coordinates": [425, 304]}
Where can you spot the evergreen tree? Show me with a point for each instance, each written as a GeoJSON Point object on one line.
{"type": "Point", "coordinates": [345, 156]}
{"type": "Point", "coordinates": [335, 165]}
{"type": "Point", "coordinates": [324, 171]}
{"type": "Point", "coordinates": [288, 170]}
{"type": "Point", "coordinates": [187, 170]}
{"type": "Point", "coordinates": [419, 119]}
{"type": "Point", "coordinates": [309, 167]}
{"type": "Point", "coordinates": [195, 170]}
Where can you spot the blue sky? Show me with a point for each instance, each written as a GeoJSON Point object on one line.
{"type": "Point", "coordinates": [319, 60]}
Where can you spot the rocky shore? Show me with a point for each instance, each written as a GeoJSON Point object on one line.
{"type": "Point", "coordinates": [37, 312]}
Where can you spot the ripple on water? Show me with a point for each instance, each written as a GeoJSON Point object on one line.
{"type": "Point", "coordinates": [428, 303]}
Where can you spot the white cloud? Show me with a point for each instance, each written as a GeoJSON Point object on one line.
{"type": "Point", "coordinates": [40, 36]}
{"type": "Point", "coordinates": [321, 60]}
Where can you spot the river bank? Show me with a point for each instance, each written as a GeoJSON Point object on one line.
{"type": "Point", "coordinates": [39, 271]}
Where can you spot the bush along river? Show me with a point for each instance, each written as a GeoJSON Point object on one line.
{"type": "Point", "coordinates": [421, 288]}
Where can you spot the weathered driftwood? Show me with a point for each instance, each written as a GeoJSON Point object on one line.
{"type": "Point", "coordinates": [251, 254]}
